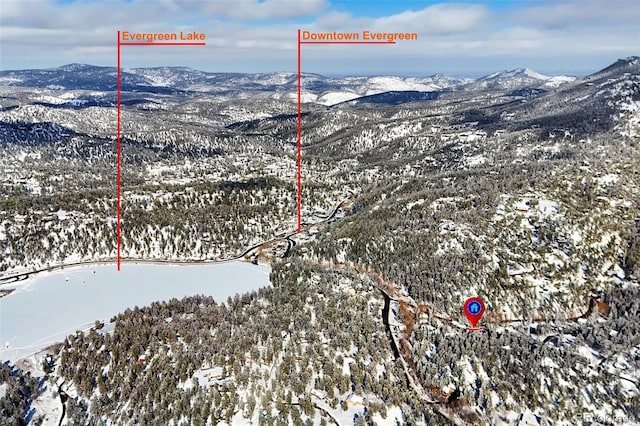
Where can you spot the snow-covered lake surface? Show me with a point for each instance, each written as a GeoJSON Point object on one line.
{"type": "Point", "coordinates": [45, 309]}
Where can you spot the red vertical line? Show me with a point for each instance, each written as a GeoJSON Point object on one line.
{"type": "Point", "coordinates": [118, 155]}
{"type": "Point", "coordinates": [299, 139]}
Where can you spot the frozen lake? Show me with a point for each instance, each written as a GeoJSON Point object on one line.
{"type": "Point", "coordinates": [45, 309]}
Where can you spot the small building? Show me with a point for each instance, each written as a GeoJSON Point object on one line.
{"type": "Point", "coordinates": [523, 206]}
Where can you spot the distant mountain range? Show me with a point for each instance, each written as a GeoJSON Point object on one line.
{"type": "Point", "coordinates": [518, 78]}
{"type": "Point", "coordinates": [316, 88]}
{"type": "Point", "coordinates": [81, 86]}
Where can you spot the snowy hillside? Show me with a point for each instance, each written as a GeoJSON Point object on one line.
{"type": "Point", "coordinates": [417, 193]}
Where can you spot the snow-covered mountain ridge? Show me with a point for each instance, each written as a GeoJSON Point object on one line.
{"type": "Point", "coordinates": [316, 88]}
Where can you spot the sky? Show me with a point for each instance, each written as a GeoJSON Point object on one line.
{"type": "Point", "coordinates": [462, 38]}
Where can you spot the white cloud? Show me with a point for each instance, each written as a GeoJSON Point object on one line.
{"type": "Point", "coordinates": [334, 21]}
{"type": "Point", "coordinates": [580, 13]}
{"type": "Point", "coordinates": [437, 19]}
{"type": "Point", "coordinates": [255, 35]}
{"type": "Point", "coordinates": [248, 10]}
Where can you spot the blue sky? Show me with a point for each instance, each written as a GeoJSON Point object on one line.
{"type": "Point", "coordinates": [467, 38]}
